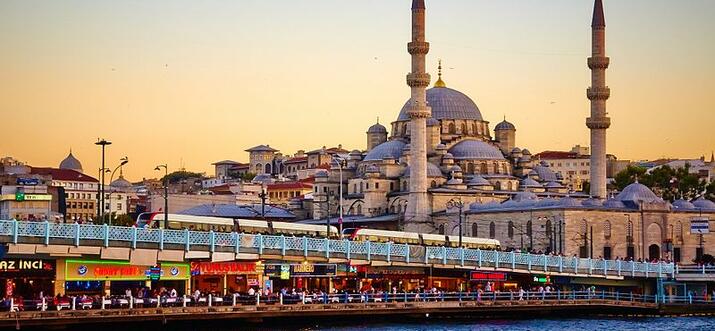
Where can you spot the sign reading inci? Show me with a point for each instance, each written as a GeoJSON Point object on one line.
{"type": "Point", "coordinates": [111, 270]}
{"type": "Point", "coordinates": [700, 225]}
{"type": "Point", "coordinates": [27, 268]}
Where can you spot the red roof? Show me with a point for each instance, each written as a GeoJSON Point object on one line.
{"type": "Point", "coordinates": [289, 185]}
{"type": "Point", "coordinates": [63, 174]}
{"type": "Point", "coordinates": [310, 179]}
{"type": "Point", "coordinates": [296, 160]}
{"type": "Point", "coordinates": [556, 155]}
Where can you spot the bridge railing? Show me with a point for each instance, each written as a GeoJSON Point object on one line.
{"type": "Point", "coordinates": [236, 300]}
{"type": "Point", "coordinates": [695, 269]}
{"type": "Point", "coordinates": [104, 235]}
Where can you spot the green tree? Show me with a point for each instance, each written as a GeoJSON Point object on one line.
{"type": "Point", "coordinates": [123, 220]}
{"type": "Point", "coordinates": [248, 176]}
{"type": "Point", "coordinates": [178, 176]}
{"type": "Point", "coordinates": [628, 176]}
{"type": "Point", "coordinates": [668, 183]}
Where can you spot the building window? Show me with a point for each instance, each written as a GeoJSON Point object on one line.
{"type": "Point", "coordinates": [630, 252]}
{"type": "Point", "coordinates": [607, 252]}
{"type": "Point", "coordinates": [510, 231]}
{"type": "Point", "coordinates": [433, 184]}
{"type": "Point", "coordinates": [392, 186]}
{"type": "Point", "coordinates": [549, 231]}
{"type": "Point", "coordinates": [440, 229]}
{"type": "Point", "coordinates": [529, 231]}
{"type": "Point", "coordinates": [377, 185]}
{"type": "Point", "coordinates": [359, 209]}
{"type": "Point", "coordinates": [475, 230]}
{"type": "Point", "coordinates": [607, 229]}
{"type": "Point", "coordinates": [676, 254]}
{"type": "Point", "coordinates": [451, 128]}
{"type": "Point", "coordinates": [492, 230]}
{"type": "Point", "coordinates": [629, 231]}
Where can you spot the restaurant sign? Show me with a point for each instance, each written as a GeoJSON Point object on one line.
{"type": "Point", "coordinates": [108, 270]}
{"type": "Point", "coordinates": [487, 276]}
{"type": "Point", "coordinates": [222, 268]}
{"type": "Point", "coordinates": [27, 268]}
{"type": "Point", "coordinates": [284, 271]}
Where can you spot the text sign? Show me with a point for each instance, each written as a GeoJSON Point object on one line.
{"type": "Point", "coordinates": [490, 276]}
{"type": "Point", "coordinates": [700, 225]}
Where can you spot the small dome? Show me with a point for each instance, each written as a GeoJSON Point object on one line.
{"type": "Point", "coordinates": [432, 171]}
{"type": "Point", "coordinates": [377, 128]}
{"type": "Point", "coordinates": [441, 146]}
{"type": "Point", "coordinates": [371, 169]}
{"type": "Point", "coordinates": [478, 181]}
{"type": "Point", "coordinates": [637, 192]}
{"type": "Point", "coordinates": [526, 152]}
{"type": "Point", "coordinates": [554, 185]}
{"type": "Point", "coordinates": [545, 173]}
{"type": "Point", "coordinates": [120, 183]}
{"type": "Point", "coordinates": [682, 204]}
{"type": "Point", "coordinates": [432, 122]}
{"type": "Point", "coordinates": [475, 150]}
{"type": "Point", "coordinates": [703, 203]}
{"type": "Point", "coordinates": [355, 152]}
{"type": "Point", "coordinates": [71, 163]}
{"type": "Point", "coordinates": [529, 183]}
{"type": "Point", "coordinates": [448, 156]}
{"type": "Point", "coordinates": [523, 196]}
{"type": "Point", "coordinates": [267, 179]}
{"type": "Point", "coordinates": [455, 168]}
{"type": "Point", "coordinates": [504, 125]}
{"type": "Point", "coordinates": [548, 202]}
{"type": "Point", "coordinates": [320, 174]}
{"type": "Point", "coordinates": [454, 181]}
{"type": "Point", "coordinates": [391, 148]}
{"type": "Point", "coordinates": [592, 202]}
{"type": "Point", "coordinates": [516, 150]}
{"type": "Point", "coordinates": [447, 103]}
{"type": "Point", "coordinates": [569, 202]}
{"type": "Point", "coordinates": [614, 203]}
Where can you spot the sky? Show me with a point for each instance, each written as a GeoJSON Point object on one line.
{"type": "Point", "coordinates": [189, 83]}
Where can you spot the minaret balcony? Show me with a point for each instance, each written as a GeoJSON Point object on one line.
{"type": "Point", "coordinates": [598, 93]}
{"type": "Point", "coordinates": [598, 62]}
{"type": "Point", "coordinates": [418, 47]}
{"type": "Point", "coordinates": [598, 122]}
{"type": "Point", "coordinates": [418, 79]}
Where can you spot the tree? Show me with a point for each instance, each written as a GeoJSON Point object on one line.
{"type": "Point", "coordinates": [248, 176]}
{"type": "Point", "coordinates": [628, 176]}
{"type": "Point", "coordinates": [178, 176]}
{"type": "Point", "coordinates": [123, 220]}
{"type": "Point", "coordinates": [668, 183]}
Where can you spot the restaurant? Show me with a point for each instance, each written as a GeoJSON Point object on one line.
{"type": "Point", "coordinates": [385, 278]}
{"type": "Point", "coordinates": [27, 278]}
{"type": "Point", "coordinates": [114, 277]}
{"type": "Point", "coordinates": [225, 277]}
{"type": "Point", "coordinates": [307, 276]}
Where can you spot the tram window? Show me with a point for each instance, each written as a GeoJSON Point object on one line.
{"type": "Point", "coordinates": [174, 225]}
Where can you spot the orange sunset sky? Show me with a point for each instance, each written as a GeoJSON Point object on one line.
{"type": "Point", "coordinates": [195, 82]}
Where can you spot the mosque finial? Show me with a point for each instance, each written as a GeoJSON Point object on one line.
{"type": "Point", "coordinates": [378, 120]}
{"type": "Point", "coordinates": [439, 82]}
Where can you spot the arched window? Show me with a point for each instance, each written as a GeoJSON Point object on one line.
{"type": "Point", "coordinates": [474, 129]}
{"type": "Point", "coordinates": [607, 229]}
{"type": "Point", "coordinates": [470, 168]}
{"type": "Point", "coordinates": [361, 187]}
{"type": "Point", "coordinates": [483, 168]}
{"type": "Point", "coordinates": [629, 229]}
{"type": "Point", "coordinates": [259, 168]}
{"type": "Point", "coordinates": [475, 230]}
{"type": "Point", "coordinates": [451, 128]}
{"type": "Point", "coordinates": [434, 184]}
{"type": "Point", "coordinates": [492, 230]}
{"type": "Point", "coordinates": [549, 229]}
{"type": "Point", "coordinates": [583, 227]}
{"type": "Point", "coordinates": [679, 230]}
{"type": "Point", "coordinates": [529, 231]}
{"type": "Point", "coordinates": [498, 186]}
{"type": "Point", "coordinates": [268, 168]}
{"type": "Point", "coordinates": [464, 128]}
{"type": "Point", "coordinates": [510, 231]}
{"type": "Point", "coordinates": [359, 209]}
{"type": "Point", "coordinates": [440, 230]}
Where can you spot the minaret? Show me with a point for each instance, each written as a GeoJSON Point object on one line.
{"type": "Point", "coordinates": [418, 209]}
{"type": "Point", "coordinates": [598, 93]}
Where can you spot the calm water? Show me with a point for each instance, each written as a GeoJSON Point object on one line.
{"type": "Point", "coordinates": [609, 324]}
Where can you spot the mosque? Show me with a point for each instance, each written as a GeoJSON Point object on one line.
{"type": "Point", "coordinates": [441, 170]}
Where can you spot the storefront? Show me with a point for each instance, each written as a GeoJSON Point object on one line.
{"type": "Point", "coordinates": [385, 278]}
{"type": "Point", "coordinates": [225, 277]}
{"type": "Point", "coordinates": [495, 281]}
{"type": "Point", "coordinates": [27, 278]}
{"type": "Point", "coordinates": [115, 277]}
{"type": "Point", "coordinates": [307, 276]}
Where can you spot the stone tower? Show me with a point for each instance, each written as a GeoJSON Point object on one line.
{"type": "Point", "coordinates": [598, 93]}
{"type": "Point", "coordinates": [505, 136]}
{"type": "Point", "coordinates": [418, 210]}
{"type": "Point", "coordinates": [376, 135]}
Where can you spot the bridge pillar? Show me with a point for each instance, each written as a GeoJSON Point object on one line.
{"type": "Point", "coordinates": [327, 248]}
{"type": "Point", "coordinates": [105, 227]}
{"type": "Point", "coordinates": [347, 248]}
{"type": "Point", "coordinates": [479, 256]}
{"type": "Point", "coordinates": [47, 233]}
{"type": "Point", "coordinates": [212, 241]}
{"type": "Point", "coordinates": [367, 247]}
{"type": "Point", "coordinates": [513, 260]}
{"type": "Point", "coordinates": [161, 239]}
{"type": "Point", "coordinates": [389, 251]}
{"type": "Point", "coordinates": [407, 253]}
{"type": "Point", "coordinates": [186, 240]}
{"type": "Point", "coordinates": [283, 250]}
{"type": "Point", "coordinates": [76, 234]}
{"type": "Point", "coordinates": [237, 241]}
{"type": "Point", "coordinates": [305, 246]}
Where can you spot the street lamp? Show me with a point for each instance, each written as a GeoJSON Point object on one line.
{"type": "Point", "coordinates": [99, 194]}
{"type": "Point", "coordinates": [124, 161]}
{"type": "Point", "coordinates": [340, 162]}
{"type": "Point", "coordinates": [166, 193]}
{"type": "Point", "coordinates": [459, 205]}
{"type": "Point", "coordinates": [104, 143]}
{"type": "Point", "coordinates": [263, 195]}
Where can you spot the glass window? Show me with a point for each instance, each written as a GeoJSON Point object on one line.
{"type": "Point", "coordinates": [492, 230]}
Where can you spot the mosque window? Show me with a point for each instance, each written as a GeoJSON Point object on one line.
{"type": "Point", "coordinates": [679, 230]}
{"type": "Point", "coordinates": [510, 231]}
{"type": "Point", "coordinates": [607, 229]}
{"type": "Point", "coordinates": [470, 168]}
{"type": "Point", "coordinates": [629, 230]}
{"type": "Point", "coordinates": [392, 186]}
{"type": "Point", "coordinates": [377, 185]}
{"type": "Point", "coordinates": [451, 128]}
{"type": "Point", "coordinates": [492, 230]}
{"type": "Point", "coordinates": [583, 227]}
{"type": "Point", "coordinates": [475, 230]}
{"type": "Point", "coordinates": [549, 229]}
{"type": "Point", "coordinates": [529, 231]}
{"type": "Point", "coordinates": [440, 230]}
{"type": "Point", "coordinates": [259, 168]}
{"type": "Point", "coordinates": [434, 184]}
{"type": "Point", "coordinates": [359, 209]}
{"type": "Point", "coordinates": [474, 129]}
{"type": "Point", "coordinates": [464, 128]}
{"type": "Point", "coordinates": [483, 168]}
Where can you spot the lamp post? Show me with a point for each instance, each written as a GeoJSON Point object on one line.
{"type": "Point", "coordinates": [166, 193]}
{"type": "Point", "coordinates": [99, 194]}
{"type": "Point", "coordinates": [124, 161]}
{"type": "Point", "coordinates": [263, 195]}
{"type": "Point", "coordinates": [104, 143]}
{"type": "Point", "coordinates": [340, 161]}
{"type": "Point", "coordinates": [459, 205]}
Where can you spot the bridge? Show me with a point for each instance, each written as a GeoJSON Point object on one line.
{"type": "Point", "coordinates": [281, 247]}
{"type": "Point", "coordinates": [296, 308]}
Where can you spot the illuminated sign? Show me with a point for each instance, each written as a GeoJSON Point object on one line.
{"type": "Point", "coordinates": [700, 225]}
{"type": "Point", "coordinates": [542, 279]}
{"type": "Point", "coordinates": [27, 181]}
{"type": "Point", "coordinates": [22, 196]}
{"type": "Point", "coordinates": [222, 268]}
{"type": "Point", "coordinates": [285, 271]}
{"type": "Point", "coordinates": [488, 276]}
{"type": "Point", "coordinates": [27, 268]}
{"type": "Point", "coordinates": [109, 270]}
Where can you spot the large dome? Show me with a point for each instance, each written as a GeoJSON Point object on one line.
{"type": "Point", "coordinates": [432, 171]}
{"type": "Point", "coordinates": [475, 150]}
{"type": "Point", "coordinates": [71, 163]}
{"type": "Point", "coordinates": [447, 103]}
{"type": "Point", "coordinates": [637, 192]}
{"type": "Point", "coordinates": [392, 148]}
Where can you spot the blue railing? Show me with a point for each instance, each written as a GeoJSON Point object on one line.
{"type": "Point", "coordinates": [104, 235]}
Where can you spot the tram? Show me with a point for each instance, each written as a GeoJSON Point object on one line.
{"type": "Point", "coordinates": [414, 238]}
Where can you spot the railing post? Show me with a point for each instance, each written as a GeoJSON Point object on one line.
{"type": "Point", "coordinates": [577, 262]}
{"type": "Point", "coordinates": [161, 239]}
{"type": "Point", "coordinates": [102, 302]}
{"type": "Point", "coordinates": [368, 247]}
{"type": "Point", "coordinates": [237, 241]}
{"type": "Point", "coordinates": [605, 267]}
{"type": "Point", "coordinates": [407, 253]}
{"type": "Point", "coordinates": [105, 230]}
{"type": "Point", "coordinates": [283, 252]}
{"type": "Point", "coordinates": [44, 304]}
{"type": "Point", "coordinates": [327, 248]}
{"type": "Point", "coordinates": [131, 302]}
{"type": "Point", "coordinates": [618, 296]}
{"type": "Point", "coordinates": [546, 264]}
{"type": "Point", "coordinates": [47, 232]}
{"type": "Point", "coordinates": [186, 240]}
{"type": "Point", "coordinates": [183, 304]}
{"type": "Point", "coordinates": [348, 246]}
{"type": "Point", "coordinates": [426, 254]}
{"type": "Point", "coordinates": [496, 259]}
{"type": "Point", "coordinates": [74, 303]}
{"type": "Point", "coordinates": [134, 237]}
{"type": "Point", "coordinates": [660, 269]}
{"type": "Point", "coordinates": [513, 260]}
{"type": "Point", "coordinates": [305, 246]}
{"type": "Point", "coordinates": [444, 255]}
{"type": "Point", "coordinates": [15, 231]}
{"type": "Point", "coordinates": [76, 234]}
{"type": "Point", "coordinates": [258, 299]}
{"type": "Point", "coordinates": [233, 299]}
{"type": "Point", "coordinates": [212, 241]}
{"type": "Point", "coordinates": [674, 269]}
{"type": "Point", "coordinates": [461, 258]}
{"type": "Point", "coordinates": [590, 266]}
{"type": "Point", "coordinates": [280, 296]}
{"type": "Point", "coordinates": [211, 299]}
{"type": "Point", "coordinates": [646, 269]}
{"type": "Point", "coordinates": [389, 251]}
{"type": "Point", "coordinates": [528, 260]}
{"type": "Point", "coordinates": [620, 265]}
{"type": "Point", "coordinates": [561, 264]}
{"type": "Point", "coordinates": [259, 237]}
{"type": "Point", "coordinates": [479, 256]}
